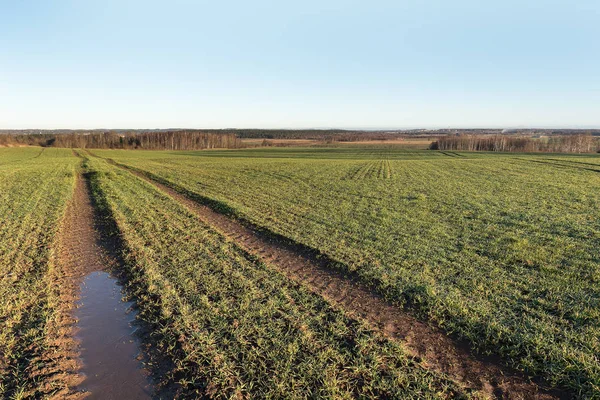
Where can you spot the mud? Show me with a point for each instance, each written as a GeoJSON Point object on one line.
{"type": "Point", "coordinates": [103, 324]}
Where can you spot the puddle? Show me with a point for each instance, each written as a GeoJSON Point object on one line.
{"type": "Point", "coordinates": [109, 348]}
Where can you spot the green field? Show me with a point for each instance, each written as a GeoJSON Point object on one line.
{"type": "Point", "coordinates": [500, 249]}
{"type": "Point", "coordinates": [34, 190]}
{"type": "Point", "coordinates": [237, 328]}
{"type": "Point", "coordinates": [497, 249]}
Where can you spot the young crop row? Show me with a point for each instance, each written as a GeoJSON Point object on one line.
{"type": "Point", "coordinates": [235, 327]}
{"type": "Point", "coordinates": [34, 190]}
{"type": "Point", "coordinates": [19, 154]}
{"type": "Point", "coordinates": [381, 169]}
{"type": "Point", "coordinates": [501, 250]}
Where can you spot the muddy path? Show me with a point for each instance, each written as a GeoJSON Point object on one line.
{"type": "Point", "coordinates": [102, 324]}
{"type": "Point", "coordinates": [436, 350]}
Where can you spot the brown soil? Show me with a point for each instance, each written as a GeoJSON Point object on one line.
{"type": "Point", "coordinates": [80, 254]}
{"type": "Point", "coordinates": [59, 365]}
{"type": "Point", "coordinates": [280, 142]}
{"type": "Point", "coordinates": [436, 350]}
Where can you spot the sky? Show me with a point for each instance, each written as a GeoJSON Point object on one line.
{"type": "Point", "coordinates": [299, 64]}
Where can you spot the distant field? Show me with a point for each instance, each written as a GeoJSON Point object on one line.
{"type": "Point", "coordinates": [408, 143]}
{"type": "Point", "coordinates": [283, 142]}
{"type": "Point", "coordinates": [500, 249]}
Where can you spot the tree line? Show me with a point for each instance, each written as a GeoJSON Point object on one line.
{"type": "Point", "coordinates": [154, 140]}
{"type": "Point", "coordinates": [577, 143]}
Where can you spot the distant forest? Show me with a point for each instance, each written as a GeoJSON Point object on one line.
{"type": "Point", "coordinates": [152, 140]}
{"type": "Point", "coordinates": [359, 135]}
{"type": "Point", "coordinates": [575, 143]}
{"type": "Point", "coordinates": [197, 139]}
{"type": "Point", "coordinates": [139, 138]}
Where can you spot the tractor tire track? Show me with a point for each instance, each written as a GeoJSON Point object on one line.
{"type": "Point", "coordinates": [436, 350]}
{"type": "Point", "coordinates": [99, 321]}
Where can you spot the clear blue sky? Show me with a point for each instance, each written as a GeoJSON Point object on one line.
{"type": "Point", "coordinates": [367, 64]}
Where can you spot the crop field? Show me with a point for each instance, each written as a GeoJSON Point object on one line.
{"type": "Point", "coordinates": [34, 190]}
{"type": "Point", "coordinates": [496, 251]}
{"type": "Point", "coordinates": [238, 328]}
{"type": "Point", "coordinates": [501, 250]}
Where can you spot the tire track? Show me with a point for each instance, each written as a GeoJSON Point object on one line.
{"type": "Point", "coordinates": [563, 165]}
{"type": "Point", "coordinates": [100, 322]}
{"type": "Point", "coordinates": [434, 348]}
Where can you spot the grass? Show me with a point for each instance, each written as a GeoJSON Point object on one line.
{"type": "Point", "coordinates": [500, 249]}
{"type": "Point", "coordinates": [236, 328]}
{"type": "Point", "coordinates": [34, 190]}
{"type": "Point", "coordinates": [18, 154]}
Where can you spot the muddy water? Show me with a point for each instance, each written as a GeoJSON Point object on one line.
{"type": "Point", "coordinates": [104, 328]}
{"type": "Point", "coordinates": [109, 348]}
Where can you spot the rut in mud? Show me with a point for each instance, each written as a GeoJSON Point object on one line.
{"type": "Point", "coordinates": [438, 351]}
{"type": "Point", "coordinates": [103, 325]}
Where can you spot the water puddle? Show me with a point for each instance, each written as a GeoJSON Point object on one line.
{"type": "Point", "coordinates": [109, 348]}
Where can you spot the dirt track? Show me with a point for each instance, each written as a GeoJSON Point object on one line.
{"type": "Point", "coordinates": [82, 252]}
{"type": "Point", "coordinates": [61, 366]}
{"type": "Point", "coordinates": [436, 350]}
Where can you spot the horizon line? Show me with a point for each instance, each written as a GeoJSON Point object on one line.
{"type": "Point", "coordinates": [365, 129]}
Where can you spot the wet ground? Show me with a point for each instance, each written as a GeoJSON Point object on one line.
{"type": "Point", "coordinates": [104, 324]}
{"type": "Point", "coordinates": [108, 345]}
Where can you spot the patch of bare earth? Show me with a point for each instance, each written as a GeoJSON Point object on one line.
{"type": "Point", "coordinates": [75, 236]}
{"type": "Point", "coordinates": [436, 350]}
